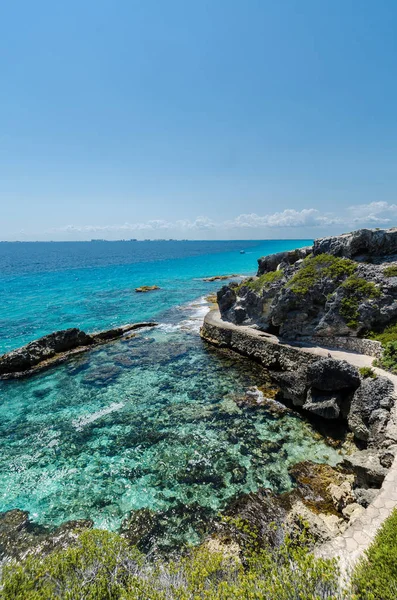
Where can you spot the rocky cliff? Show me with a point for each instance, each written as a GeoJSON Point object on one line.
{"type": "Point", "coordinates": [341, 286]}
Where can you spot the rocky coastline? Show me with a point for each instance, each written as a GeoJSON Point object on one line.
{"type": "Point", "coordinates": [292, 319]}
{"type": "Point", "coordinates": [304, 317]}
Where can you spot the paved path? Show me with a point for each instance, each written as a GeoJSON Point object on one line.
{"type": "Point", "coordinates": [350, 545]}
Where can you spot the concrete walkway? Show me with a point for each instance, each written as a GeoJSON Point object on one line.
{"type": "Point", "coordinates": [350, 545]}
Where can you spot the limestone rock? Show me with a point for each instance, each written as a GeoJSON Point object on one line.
{"type": "Point", "coordinates": [372, 395]}
{"type": "Point", "coordinates": [353, 511]}
{"type": "Point", "coordinates": [55, 348]}
{"type": "Point", "coordinates": [42, 349]}
{"type": "Point", "coordinates": [281, 259]}
{"type": "Point", "coordinates": [146, 288]}
{"type": "Point", "coordinates": [387, 456]}
{"type": "Point", "coordinates": [319, 310]}
{"type": "Point", "coordinates": [20, 537]}
{"type": "Point", "coordinates": [331, 375]}
{"type": "Point", "coordinates": [359, 245]}
{"type": "Point", "coordinates": [323, 405]}
{"type": "Point", "coordinates": [367, 468]}
{"type": "Point", "coordinates": [365, 496]}
{"type": "Point", "coordinates": [342, 495]}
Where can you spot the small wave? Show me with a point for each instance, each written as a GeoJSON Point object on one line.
{"type": "Point", "coordinates": [195, 312]}
{"type": "Point", "coordinates": [83, 421]}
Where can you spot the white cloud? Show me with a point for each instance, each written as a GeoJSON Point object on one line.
{"type": "Point", "coordinates": [362, 215]}
{"type": "Point", "coordinates": [375, 213]}
{"type": "Point", "coordinates": [308, 217]}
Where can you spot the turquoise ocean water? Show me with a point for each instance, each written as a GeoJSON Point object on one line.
{"type": "Point", "coordinates": [150, 422]}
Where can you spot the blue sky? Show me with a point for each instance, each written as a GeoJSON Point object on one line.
{"type": "Point", "coordinates": [197, 119]}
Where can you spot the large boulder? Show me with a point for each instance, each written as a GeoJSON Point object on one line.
{"type": "Point", "coordinates": [329, 375]}
{"type": "Point", "coordinates": [370, 409]}
{"type": "Point", "coordinates": [326, 406]}
{"type": "Point", "coordinates": [361, 244]}
{"type": "Point", "coordinates": [367, 467]}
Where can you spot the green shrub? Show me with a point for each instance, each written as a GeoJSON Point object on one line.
{"type": "Point", "coordinates": [357, 290]}
{"type": "Point", "coordinates": [389, 334]}
{"type": "Point", "coordinates": [99, 566]}
{"type": "Point", "coordinates": [102, 567]}
{"type": "Point", "coordinates": [388, 360]}
{"type": "Point", "coordinates": [375, 576]}
{"type": "Point", "coordinates": [367, 372]}
{"type": "Point", "coordinates": [390, 271]}
{"type": "Point", "coordinates": [264, 281]}
{"type": "Point", "coordinates": [315, 268]}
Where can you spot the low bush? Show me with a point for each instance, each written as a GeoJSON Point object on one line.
{"type": "Point", "coordinates": [102, 567]}
{"type": "Point", "coordinates": [389, 334]}
{"type": "Point", "coordinates": [388, 360]}
{"type": "Point", "coordinates": [367, 372]}
{"type": "Point", "coordinates": [315, 268]}
{"type": "Point", "coordinates": [375, 576]}
{"type": "Point", "coordinates": [356, 289]}
{"type": "Point", "coordinates": [264, 281]}
{"type": "Point", "coordinates": [390, 271]}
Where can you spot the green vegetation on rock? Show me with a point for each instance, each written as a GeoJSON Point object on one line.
{"type": "Point", "coordinates": [375, 577]}
{"type": "Point", "coordinates": [102, 567]}
{"type": "Point", "coordinates": [357, 289]}
{"type": "Point", "coordinates": [367, 372]}
{"type": "Point", "coordinates": [263, 281]}
{"type": "Point", "coordinates": [390, 271]}
{"type": "Point", "coordinates": [316, 268]}
{"type": "Point", "coordinates": [388, 360]}
{"type": "Point", "coordinates": [388, 339]}
{"type": "Point", "coordinates": [389, 334]}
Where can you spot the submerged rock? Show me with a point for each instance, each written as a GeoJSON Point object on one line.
{"type": "Point", "coordinates": [146, 288]}
{"type": "Point", "coordinates": [269, 516]}
{"type": "Point", "coordinates": [220, 277]}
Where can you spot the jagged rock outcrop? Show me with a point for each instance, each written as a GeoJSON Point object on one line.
{"type": "Point", "coordinates": [55, 348]}
{"type": "Point", "coordinates": [364, 244]}
{"type": "Point", "coordinates": [367, 467]}
{"type": "Point", "coordinates": [281, 260]}
{"type": "Point", "coordinates": [43, 349]}
{"type": "Point", "coordinates": [370, 410]}
{"type": "Point", "coordinates": [338, 287]}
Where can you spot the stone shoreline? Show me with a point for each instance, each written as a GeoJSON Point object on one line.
{"type": "Point", "coordinates": [374, 467]}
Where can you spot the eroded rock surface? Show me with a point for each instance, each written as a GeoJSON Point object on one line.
{"type": "Point", "coordinates": [342, 296]}
{"type": "Point", "coordinates": [57, 347]}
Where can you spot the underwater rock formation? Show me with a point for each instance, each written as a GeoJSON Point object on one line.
{"type": "Point", "coordinates": [146, 288]}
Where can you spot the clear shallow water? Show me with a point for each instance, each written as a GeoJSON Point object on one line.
{"type": "Point", "coordinates": [149, 422]}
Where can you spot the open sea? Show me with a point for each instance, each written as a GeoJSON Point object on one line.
{"type": "Point", "coordinates": [149, 422]}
